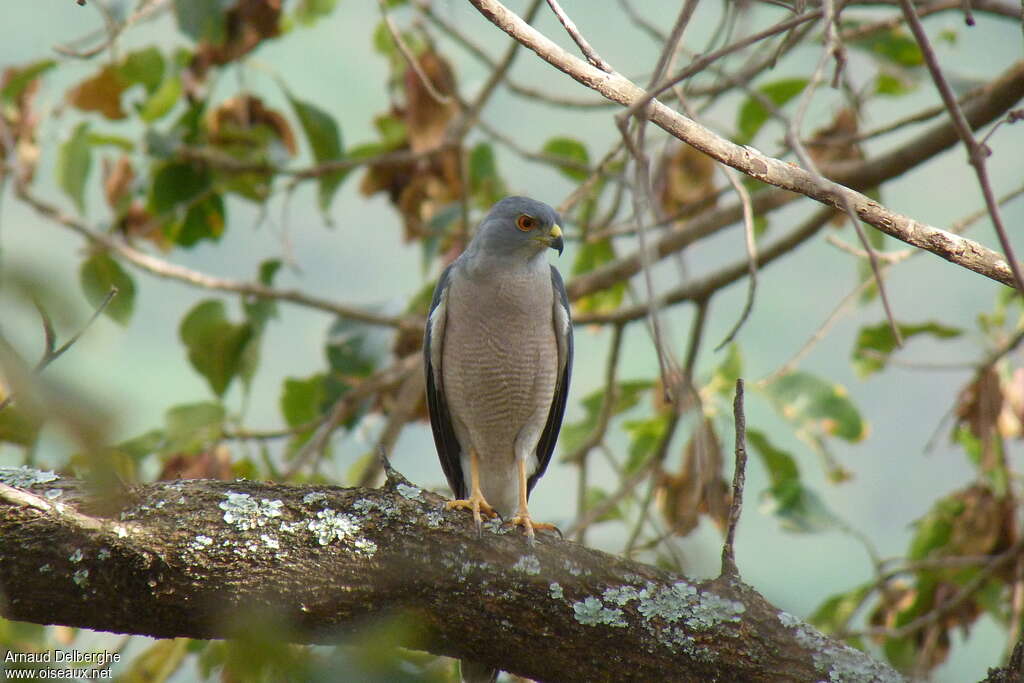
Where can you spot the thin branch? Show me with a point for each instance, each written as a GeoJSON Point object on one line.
{"type": "Point", "coordinates": [49, 353]}
{"type": "Point", "coordinates": [941, 610]}
{"type": "Point", "coordinates": [976, 152]}
{"type": "Point", "coordinates": [391, 376]}
{"type": "Point", "coordinates": [173, 271]}
{"type": "Point", "coordinates": [702, 288]}
{"type": "Point", "coordinates": [777, 172]}
{"type": "Point", "coordinates": [570, 27]}
{"type": "Point", "coordinates": [410, 58]}
{"type": "Point", "coordinates": [751, 247]}
{"type": "Point", "coordinates": [739, 477]}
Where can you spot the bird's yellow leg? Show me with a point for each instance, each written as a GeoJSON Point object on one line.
{"type": "Point", "coordinates": [522, 517]}
{"type": "Point", "coordinates": [476, 501]}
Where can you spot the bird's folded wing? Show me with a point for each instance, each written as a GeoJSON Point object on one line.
{"type": "Point", "coordinates": [448, 449]}
{"type": "Point", "coordinates": [563, 334]}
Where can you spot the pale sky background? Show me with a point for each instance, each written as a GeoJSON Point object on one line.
{"type": "Point", "coordinates": [136, 372]}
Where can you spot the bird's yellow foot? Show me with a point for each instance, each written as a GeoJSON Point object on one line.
{"type": "Point", "coordinates": [477, 504]}
{"type": "Point", "coordinates": [524, 520]}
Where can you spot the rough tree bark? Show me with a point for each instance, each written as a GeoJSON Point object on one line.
{"type": "Point", "coordinates": [191, 558]}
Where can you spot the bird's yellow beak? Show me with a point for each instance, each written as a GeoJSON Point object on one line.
{"type": "Point", "coordinates": [557, 242]}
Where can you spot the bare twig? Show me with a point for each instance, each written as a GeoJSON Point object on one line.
{"type": "Point", "coordinates": [977, 153]}
{"type": "Point", "coordinates": [973, 256]}
{"type": "Point", "coordinates": [739, 477]}
{"type": "Point", "coordinates": [410, 58]}
{"type": "Point", "coordinates": [51, 354]}
{"type": "Point", "coordinates": [344, 406]}
{"type": "Point", "coordinates": [161, 268]}
{"type": "Point", "coordinates": [570, 27]}
{"type": "Point", "coordinates": [751, 247]}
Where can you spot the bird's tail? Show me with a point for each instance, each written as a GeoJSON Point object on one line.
{"type": "Point", "coordinates": [475, 672]}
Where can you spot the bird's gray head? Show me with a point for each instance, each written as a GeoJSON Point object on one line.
{"type": "Point", "coordinates": [518, 226]}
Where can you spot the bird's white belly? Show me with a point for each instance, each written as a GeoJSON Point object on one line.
{"type": "Point", "coordinates": [501, 380]}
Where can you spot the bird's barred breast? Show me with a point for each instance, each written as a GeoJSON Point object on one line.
{"type": "Point", "coordinates": [504, 369]}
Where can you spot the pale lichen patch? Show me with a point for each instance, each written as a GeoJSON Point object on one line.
{"type": "Point", "coordinates": [364, 506]}
{"type": "Point", "coordinates": [313, 497]}
{"type": "Point", "coordinates": [23, 476]}
{"type": "Point", "coordinates": [410, 492]}
{"type": "Point", "coordinates": [556, 591]}
{"type": "Point", "coordinates": [76, 556]}
{"type": "Point", "coordinates": [81, 577]}
{"type": "Point", "coordinates": [103, 554]}
{"type": "Point", "coordinates": [244, 513]}
{"type": "Point", "coordinates": [434, 519]}
{"type": "Point", "coordinates": [840, 662]}
{"type": "Point", "coordinates": [200, 543]}
{"type": "Point", "coordinates": [592, 612]}
{"type": "Point", "coordinates": [330, 526]}
{"type": "Point", "coordinates": [528, 564]}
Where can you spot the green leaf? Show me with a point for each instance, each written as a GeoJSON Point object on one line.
{"type": "Point", "coordinates": [303, 400]}
{"type": "Point", "coordinates": [572, 155]}
{"type": "Point", "coordinates": [723, 379]}
{"type": "Point", "coordinates": [590, 255]}
{"type": "Point", "coordinates": [203, 20]}
{"type": "Point", "coordinates": [324, 139]}
{"type": "Point", "coordinates": [351, 351]}
{"type": "Point", "coordinates": [627, 394]}
{"type": "Point", "coordinates": [595, 497]}
{"type": "Point", "coordinates": [106, 139]}
{"type": "Point", "coordinates": [145, 67]}
{"type": "Point", "coordinates": [934, 530]}
{"type": "Point", "coordinates": [798, 508]}
{"type": "Point", "coordinates": [18, 426]}
{"type": "Point", "coordinates": [485, 184]}
{"type": "Point", "coordinates": [193, 426]}
{"type": "Point", "coordinates": [98, 274]}
{"type": "Point", "coordinates": [204, 220]}
{"type": "Point", "coordinates": [162, 101]}
{"type": "Point", "coordinates": [73, 164]}
{"type": "Point", "coordinates": [140, 446]}
{"type": "Point", "coordinates": [257, 310]}
{"type": "Point", "coordinates": [158, 662]}
{"type": "Point", "coordinates": [837, 610]}
{"type": "Point", "coordinates": [308, 12]}
{"type": "Point", "coordinates": [645, 435]}
{"type": "Point", "coordinates": [753, 113]}
{"type": "Point", "coordinates": [175, 185]}
{"type": "Point", "coordinates": [781, 465]}
{"type": "Point", "coordinates": [895, 46]}
{"type": "Point", "coordinates": [815, 405]}
{"type": "Point", "coordinates": [875, 343]}
{"type": "Point", "coordinates": [215, 345]}
{"type": "Point", "coordinates": [892, 85]}
{"type": "Point", "coordinates": [20, 78]}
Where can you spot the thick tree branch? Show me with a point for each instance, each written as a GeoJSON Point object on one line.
{"type": "Point", "coordinates": [190, 558]}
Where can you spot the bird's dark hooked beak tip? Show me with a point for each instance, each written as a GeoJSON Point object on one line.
{"type": "Point", "coordinates": [557, 243]}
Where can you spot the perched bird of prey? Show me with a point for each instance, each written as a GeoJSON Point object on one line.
{"type": "Point", "coordinates": [498, 353]}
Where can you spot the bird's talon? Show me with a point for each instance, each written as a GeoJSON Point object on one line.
{"type": "Point", "coordinates": [527, 523]}
{"type": "Point", "coordinates": [478, 505]}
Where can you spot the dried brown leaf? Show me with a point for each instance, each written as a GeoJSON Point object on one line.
{"type": "Point", "coordinates": [244, 113]}
{"type": "Point", "coordinates": [117, 180]}
{"type": "Point", "coordinates": [101, 93]}
{"type": "Point", "coordinates": [426, 118]}
{"type": "Point", "coordinates": [699, 488]}
{"type": "Point", "coordinates": [247, 24]}
{"type": "Point", "coordinates": [684, 177]}
{"type": "Point", "coordinates": [211, 464]}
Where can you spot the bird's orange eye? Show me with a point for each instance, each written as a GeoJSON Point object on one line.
{"type": "Point", "coordinates": [526, 223]}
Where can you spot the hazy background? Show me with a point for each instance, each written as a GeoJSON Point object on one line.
{"type": "Point", "coordinates": [136, 372]}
